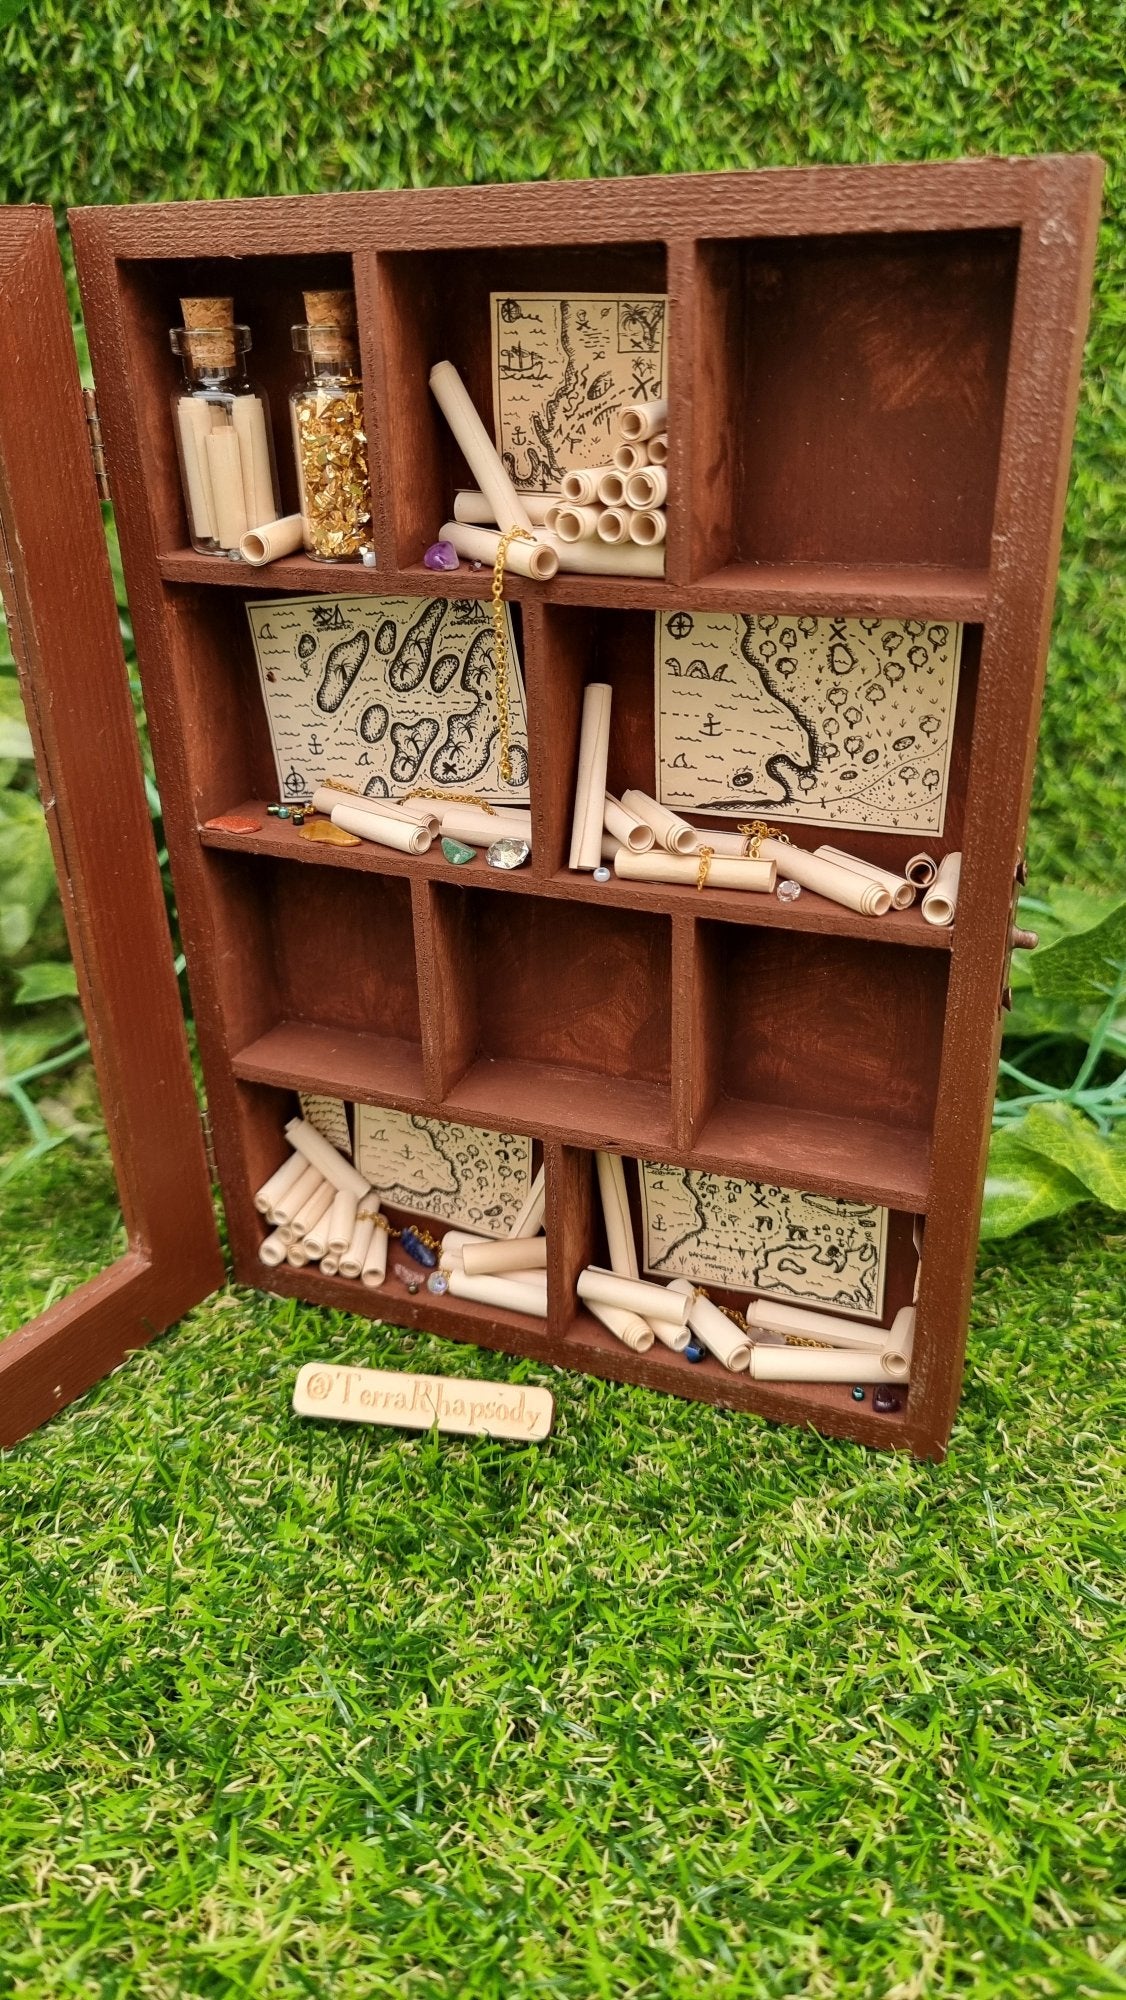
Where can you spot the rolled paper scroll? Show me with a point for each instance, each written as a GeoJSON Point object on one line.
{"type": "Point", "coordinates": [614, 525]}
{"type": "Point", "coordinates": [633, 1331]}
{"type": "Point", "coordinates": [529, 1222]}
{"type": "Point", "coordinates": [576, 524]}
{"type": "Point", "coordinates": [325, 1158]}
{"type": "Point", "coordinates": [316, 1238]}
{"type": "Point", "coordinates": [648, 487]}
{"type": "Point", "coordinates": [481, 455]}
{"type": "Point", "coordinates": [659, 449]}
{"type": "Point", "coordinates": [473, 510]}
{"type": "Point", "coordinates": [643, 420]}
{"type": "Point", "coordinates": [311, 1212]}
{"type": "Point", "coordinates": [610, 847]}
{"type": "Point", "coordinates": [630, 458]}
{"type": "Point", "coordinates": [612, 487]}
{"type": "Point", "coordinates": [893, 1346]}
{"type": "Point", "coordinates": [626, 827]}
{"type": "Point", "coordinates": [375, 1263]}
{"type": "Point", "coordinates": [516, 1253]}
{"type": "Point", "coordinates": [669, 830]}
{"type": "Point", "coordinates": [920, 870]}
{"type": "Point", "coordinates": [326, 797]}
{"type": "Point", "coordinates": [723, 870]}
{"type": "Point", "coordinates": [225, 467]}
{"type": "Point", "coordinates": [656, 1303]}
{"type": "Point", "coordinates": [481, 828]}
{"type": "Point", "coordinates": [258, 497]}
{"type": "Point", "coordinates": [581, 488]}
{"type": "Point", "coordinates": [330, 1263]}
{"type": "Point", "coordinates": [538, 559]}
{"type": "Point", "coordinates": [352, 1261]}
{"type": "Point", "coordinates": [590, 785]}
{"type": "Point", "coordinates": [648, 527]}
{"type": "Point", "coordinates": [273, 1250]}
{"type": "Point", "coordinates": [901, 891]}
{"type": "Point", "coordinates": [342, 1220]}
{"type": "Point", "coordinates": [606, 559]}
{"type": "Point", "coordinates": [194, 413]}
{"type": "Point", "coordinates": [298, 1256]}
{"type": "Point", "coordinates": [517, 1295]}
{"type": "Point", "coordinates": [941, 899]}
{"type": "Point", "coordinates": [812, 1364]}
{"type": "Point", "coordinates": [825, 878]}
{"type": "Point", "coordinates": [616, 1215]}
{"type": "Point", "coordinates": [279, 1183]}
{"type": "Point", "coordinates": [454, 1244]}
{"type": "Point", "coordinates": [720, 1335]}
{"type": "Point", "coordinates": [293, 1200]}
{"type": "Point", "coordinates": [271, 540]}
{"type": "Point", "coordinates": [405, 835]}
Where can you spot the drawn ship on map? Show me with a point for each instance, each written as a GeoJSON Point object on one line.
{"type": "Point", "coordinates": [519, 364]}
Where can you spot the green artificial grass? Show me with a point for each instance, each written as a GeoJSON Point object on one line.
{"type": "Point", "coordinates": [676, 1704]}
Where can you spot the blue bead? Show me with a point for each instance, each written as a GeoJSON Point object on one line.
{"type": "Point", "coordinates": [695, 1351]}
{"type": "Point", "coordinates": [415, 1247]}
{"type": "Point", "coordinates": [858, 1394]}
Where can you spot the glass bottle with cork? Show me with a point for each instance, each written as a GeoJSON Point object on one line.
{"type": "Point", "coordinates": [329, 439]}
{"type": "Point", "coordinates": [223, 431]}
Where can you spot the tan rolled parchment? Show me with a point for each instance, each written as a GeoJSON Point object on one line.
{"type": "Point", "coordinates": [590, 785]}
{"type": "Point", "coordinates": [310, 1213]}
{"type": "Point", "coordinates": [647, 487]}
{"type": "Point", "coordinates": [648, 527]}
{"type": "Point", "coordinates": [328, 1162]}
{"type": "Point", "coordinates": [516, 1295]}
{"type": "Point", "coordinates": [272, 1251]}
{"type": "Point", "coordinates": [374, 1268]}
{"type": "Point", "coordinates": [941, 899]}
{"type": "Point", "coordinates": [455, 1242]}
{"type": "Point", "coordinates": [481, 828]}
{"type": "Point", "coordinates": [352, 1261]}
{"type": "Point", "coordinates": [812, 1364]}
{"type": "Point", "coordinates": [406, 836]}
{"type": "Point", "coordinates": [520, 1254]}
{"type": "Point", "coordinates": [724, 871]}
{"type": "Point", "coordinates": [330, 1263]}
{"type": "Point", "coordinates": [529, 1222]}
{"type": "Point", "coordinates": [279, 1183]}
{"type": "Point", "coordinates": [614, 525]}
{"type": "Point", "coordinates": [633, 1331]}
{"type": "Point", "coordinates": [656, 1303]}
{"type": "Point", "coordinates": [616, 1215]}
{"type": "Point", "coordinates": [825, 878]}
{"type": "Point", "coordinates": [194, 414]}
{"type": "Point", "coordinates": [342, 1220]}
{"type": "Point", "coordinates": [643, 420]}
{"type": "Point", "coordinates": [630, 458]}
{"type": "Point", "coordinates": [576, 524]}
{"type": "Point", "coordinates": [901, 891]}
{"type": "Point", "coordinates": [316, 1238]}
{"type": "Point", "coordinates": [538, 559]}
{"type": "Point", "coordinates": [580, 489]}
{"type": "Point", "coordinates": [921, 870]}
{"type": "Point", "coordinates": [625, 827]}
{"type": "Point", "coordinates": [225, 468]}
{"type": "Point", "coordinates": [249, 420]}
{"type": "Point", "coordinates": [271, 540]}
{"type": "Point", "coordinates": [612, 487]}
{"type": "Point", "coordinates": [326, 797]}
{"type": "Point", "coordinates": [606, 559]}
{"type": "Point", "coordinates": [659, 449]}
{"type": "Point", "coordinates": [472, 509]}
{"type": "Point", "coordinates": [293, 1200]}
{"type": "Point", "coordinates": [892, 1345]}
{"type": "Point", "coordinates": [481, 455]}
{"type": "Point", "coordinates": [610, 847]}
{"type": "Point", "coordinates": [720, 1335]}
{"type": "Point", "coordinates": [669, 830]}
{"type": "Point", "coordinates": [297, 1255]}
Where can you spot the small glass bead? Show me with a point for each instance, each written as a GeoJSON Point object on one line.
{"type": "Point", "coordinates": [695, 1351]}
{"type": "Point", "coordinates": [602, 874]}
{"type": "Point", "coordinates": [787, 891]}
{"type": "Point", "coordinates": [858, 1394]}
{"type": "Point", "coordinates": [438, 1282]}
{"type": "Point", "coordinates": [369, 558]}
{"type": "Point", "coordinates": [886, 1400]}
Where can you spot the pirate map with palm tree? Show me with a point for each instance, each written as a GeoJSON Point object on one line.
{"type": "Point", "coordinates": [563, 366]}
{"type": "Point", "coordinates": [450, 1173]}
{"type": "Point", "coordinates": [845, 721]}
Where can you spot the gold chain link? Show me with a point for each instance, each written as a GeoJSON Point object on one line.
{"type": "Point", "coordinates": [755, 831]}
{"type": "Point", "coordinates": [705, 858]}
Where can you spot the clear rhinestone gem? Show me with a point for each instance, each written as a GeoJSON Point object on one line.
{"type": "Point", "coordinates": [788, 892]}
{"type": "Point", "coordinates": [508, 853]}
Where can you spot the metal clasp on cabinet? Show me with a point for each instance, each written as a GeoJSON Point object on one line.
{"type": "Point", "coordinates": [97, 449]}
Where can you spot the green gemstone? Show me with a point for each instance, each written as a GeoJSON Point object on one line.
{"type": "Point", "coordinates": [457, 852]}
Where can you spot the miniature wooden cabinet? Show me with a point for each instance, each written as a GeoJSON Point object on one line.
{"type": "Point", "coordinates": [872, 379]}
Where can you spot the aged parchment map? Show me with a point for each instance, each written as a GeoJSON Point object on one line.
{"type": "Point", "coordinates": [805, 1248]}
{"type": "Point", "coordinates": [385, 694]}
{"type": "Point", "coordinates": [328, 1115]}
{"type": "Point", "coordinates": [563, 367]}
{"type": "Point", "coordinates": [846, 721]}
{"type": "Point", "coordinates": [452, 1173]}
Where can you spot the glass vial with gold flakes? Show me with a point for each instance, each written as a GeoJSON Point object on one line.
{"type": "Point", "coordinates": [223, 432]}
{"type": "Point", "coordinates": [329, 439]}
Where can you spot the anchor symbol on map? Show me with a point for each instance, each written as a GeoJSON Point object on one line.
{"type": "Point", "coordinates": [711, 727]}
{"type": "Point", "coordinates": [315, 745]}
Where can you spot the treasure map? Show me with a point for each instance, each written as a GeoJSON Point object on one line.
{"type": "Point", "coordinates": [562, 369]}
{"type": "Point", "coordinates": [846, 721]}
{"type": "Point", "coordinates": [451, 1173]}
{"type": "Point", "coordinates": [386, 695]}
{"type": "Point", "coordinates": [805, 1248]}
{"type": "Point", "coordinates": [328, 1116]}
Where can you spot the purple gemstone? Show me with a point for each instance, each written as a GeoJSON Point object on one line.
{"type": "Point", "coordinates": [441, 555]}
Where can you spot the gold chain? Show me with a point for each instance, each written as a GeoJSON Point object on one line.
{"type": "Point", "coordinates": [755, 831]}
{"type": "Point", "coordinates": [451, 798]}
{"type": "Point", "coordinates": [500, 646]}
{"type": "Point", "coordinates": [705, 857]}
{"type": "Point", "coordinates": [729, 1312]}
{"type": "Point", "coordinates": [423, 1235]}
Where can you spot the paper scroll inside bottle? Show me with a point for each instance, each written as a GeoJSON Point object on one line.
{"type": "Point", "coordinates": [590, 785]}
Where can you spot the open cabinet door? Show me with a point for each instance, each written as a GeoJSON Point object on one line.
{"type": "Point", "coordinates": [59, 598]}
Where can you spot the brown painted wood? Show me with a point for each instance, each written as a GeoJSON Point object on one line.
{"type": "Point", "coordinates": [89, 770]}
{"type": "Point", "coordinates": [872, 378]}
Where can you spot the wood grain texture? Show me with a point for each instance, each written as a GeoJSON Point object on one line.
{"type": "Point", "coordinates": [89, 771]}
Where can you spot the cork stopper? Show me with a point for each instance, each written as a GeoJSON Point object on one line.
{"type": "Point", "coordinates": [205, 322]}
{"type": "Point", "coordinates": [331, 317]}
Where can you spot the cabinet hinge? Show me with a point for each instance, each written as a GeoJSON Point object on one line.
{"type": "Point", "coordinates": [208, 1143]}
{"type": "Point", "coordinates": [97, 449]}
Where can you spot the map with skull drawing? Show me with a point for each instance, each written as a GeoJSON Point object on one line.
{"type": "Point", "coordinates": [845, 721]}
{"type": "Point", "coordinates": [387, 695]}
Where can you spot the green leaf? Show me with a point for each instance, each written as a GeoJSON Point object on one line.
{"type": "Point", "coordinates": [1061, 1134]}
{"type": "Point", "coordinates": [1085, 966]}
{"type": "Point", "coordinates": [48, 980]}
{"type": "Point", "coordinates": [1022, 1187]}
{"type": "Point", "coordinates": [27, 869]}
{"type": "Point", "coordinates": [15, 736]}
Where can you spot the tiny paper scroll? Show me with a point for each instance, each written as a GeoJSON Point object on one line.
{"type": "Point", "coordinates": [423, 1402]}
{"type": "Point", "coordinates": [847, 721]}
{"type": "Point", "coordinates": [563, 368]}
{"type": "Point", "coordinates": [451, 1173]}
{"type": "Point", "coordinates": [386, 694]}
{"type": "Point", "coordinates": [590, 785]}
